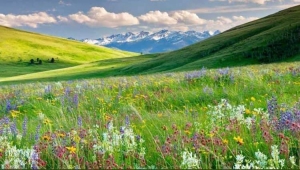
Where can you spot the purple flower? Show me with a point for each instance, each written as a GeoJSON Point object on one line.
{"type": "Point", "coordinates": [195, 74]}
{"type": "Point", "coordinates": [24, 127]}
{"type": "Point", "coordinates": [13, 128]}
{"type": "Point", "coordinates": [79, 121]}
{"type": "Point", "coordinates": [48, 89]}
{"type": "Point", "coordinates": [127, 121]}
{"type": "Point", "coordinates": [37, 133]}
{"type": "Point", "coordinates": [286, 118]}
{"type": "Point", "coordinates": [272, 106]}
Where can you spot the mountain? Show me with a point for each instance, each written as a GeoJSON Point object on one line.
{"type": "Point", "coordinates": [274, 38]}
{"type": "Point", "coordinates": [147, 42]}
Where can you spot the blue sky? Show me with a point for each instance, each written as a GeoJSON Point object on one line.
{"type": "Point", "coordinates": [96, 18]}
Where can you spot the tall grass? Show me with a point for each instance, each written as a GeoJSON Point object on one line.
{"type": "Point", "coordinates": [226, 118]}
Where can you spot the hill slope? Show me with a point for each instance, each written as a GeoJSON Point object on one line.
{"type": "Point", "coordinates": [275, 38]}
{"type": "Point", "coordinates": [18, 47]}
{"type": "Point", "coordinates": [269, 39]}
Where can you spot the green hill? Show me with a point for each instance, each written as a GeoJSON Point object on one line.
{"type": "Point", "coordinates": [18, 47]}
{"type": "Point", "coordinates": [275, 38]}
{"type": "Point", "coordinates": [270, 39]}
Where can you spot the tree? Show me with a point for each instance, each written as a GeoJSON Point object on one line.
{"type": "Point", "coordinates": [32, 61]}
{"type": "Point", "coordinates": [40, 62]}
{"type": "Point", "coordinates": [52, 60]}
{"type": "Point", "coordinates": [37, 59]}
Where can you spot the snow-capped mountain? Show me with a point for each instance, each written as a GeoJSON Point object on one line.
{"type": "Point", "coordinates": [147, 42]}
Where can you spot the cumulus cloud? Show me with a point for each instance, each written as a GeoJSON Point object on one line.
{"type": "Point", "coordinates": [157, 17]}
{"type": "Point", "coordinates": [187, 18]}
{"type": "Point", "coordinates": [180, 19]}
{"type": "Point", "coordinates": [31, 20]}
{"type": "Point", "coordinates": [99, 17]}
{"type": "Point", "coordinates": [224, 23]}
{"type": "Point", "coordinates": [62, 19]}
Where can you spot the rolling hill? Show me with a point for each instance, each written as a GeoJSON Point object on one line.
{"type": "Point", "coordinates": [275, 38]}
{"type": "Point", "coordinates": [270, 39]}
{"type": "Point", "coordinates": [18, 47]}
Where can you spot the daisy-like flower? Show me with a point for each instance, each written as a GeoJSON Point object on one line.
{"type": "Point", "coordinates": [239, 140]}
{"type": "Point", "coordinates": [71, 149]}
{"type": "Point", "coordinates": [46, 137]}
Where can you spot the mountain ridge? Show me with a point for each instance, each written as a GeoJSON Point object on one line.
{"type": "Point", "coordinates": [147, 42]}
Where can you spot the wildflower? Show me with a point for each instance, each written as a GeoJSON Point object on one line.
{"type": "Point", "coordinates": [47, 121]}
{"type": "Point", "coordinates": [247, 111]}
{"type": "Point", "coordinates": [292, 160]}
{"type": "Point", "coordinates": [190, 161]}
{"type": "Point", "coordinates": [46, 138]}
{"type": "Point", "coordinates": [61, 135]}
{"type": "Point", "coordinates": [71, 149]}
{"type": "Point", "coordinates": [225, 141]}
{"type": "Point", "coordinates": [239, 140]}
{"type": "Point", "coordinates": [253, 99]}
{"type": "Point", "coordinates": [239, 161]}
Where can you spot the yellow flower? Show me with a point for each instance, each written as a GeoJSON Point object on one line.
{"type": "Point", "coordinates": [282, 109]}
{"type": "Point", "coordinates": [47, 121]}
{"type": "Point", "coordinates": [71, 149]}
{"type": "Point", "coordinates": [247, 111]}
{"type": "Point", "coordinates": [187, 132]}
{"type": "Point", "coordinates": [46, 138]}
{"type": "Point", "coordinates": [14, 114]}
{"type": "Point", "coordinates": [61, 135]}
{"type": "Point", "coordinates": [225, 141]}
{"type": "Point", "coordinates": [159, 114]}
{"type": "Point", "coordinates": [239, 140]}
{"type": "Point", "coordinates": [253, 99]}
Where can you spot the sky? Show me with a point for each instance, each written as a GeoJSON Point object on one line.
{"type": "Point", "coordinates": [97, 18]}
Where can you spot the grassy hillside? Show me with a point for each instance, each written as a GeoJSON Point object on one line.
{"type": "Point", "coordinates": [270, 39]}
{"type": "Point", "coordinates": [18, 47]}
{"type": "Point", "coordinates": [275, 38]}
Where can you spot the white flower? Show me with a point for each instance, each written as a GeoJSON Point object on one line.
{"type": "Point", "coordinates": [189, 160]}
{"type": "Point", "coordinates": [292, 160]}
{"type": "Point", "coordinates": [261, 159]}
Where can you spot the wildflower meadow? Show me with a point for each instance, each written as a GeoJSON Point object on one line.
{"type": "Point", "coordinates": [230, 118]}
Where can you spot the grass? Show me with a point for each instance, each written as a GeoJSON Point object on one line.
{"type": "Point", "coordinates": [231, 48]}
{"type": "Point", "coordinates": [262, 41]}
{"type": "Point", "coordinates": [18, 47]}
{"type": "Point", "coordinates": [171, 120]}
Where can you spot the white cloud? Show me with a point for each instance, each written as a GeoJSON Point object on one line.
{"type": "Point", "coordinates": [187, 18]}
{"type": "Point", "coordinates": [248, 1]}
{"type": "Point", "coordinates": [224, 23]}
{"type": "Point", "coordinates": [31, 20]}
{"type": "Point", "coordinates": [180, 19]}
{"type": "Point", "coordinates": [99, 17]}
{"type": "Point", "coordinates": [158, 18]}
{"type": "Point", "coordinates": [61, 2]}
{"type": "Point", "coordinates": [62, 19]}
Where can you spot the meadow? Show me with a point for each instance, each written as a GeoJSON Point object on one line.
{"type": "Point", "coordinates": [243, 117]}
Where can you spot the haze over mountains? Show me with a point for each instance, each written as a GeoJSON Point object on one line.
{"type": "Point", "coordinates": [146, 42]}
